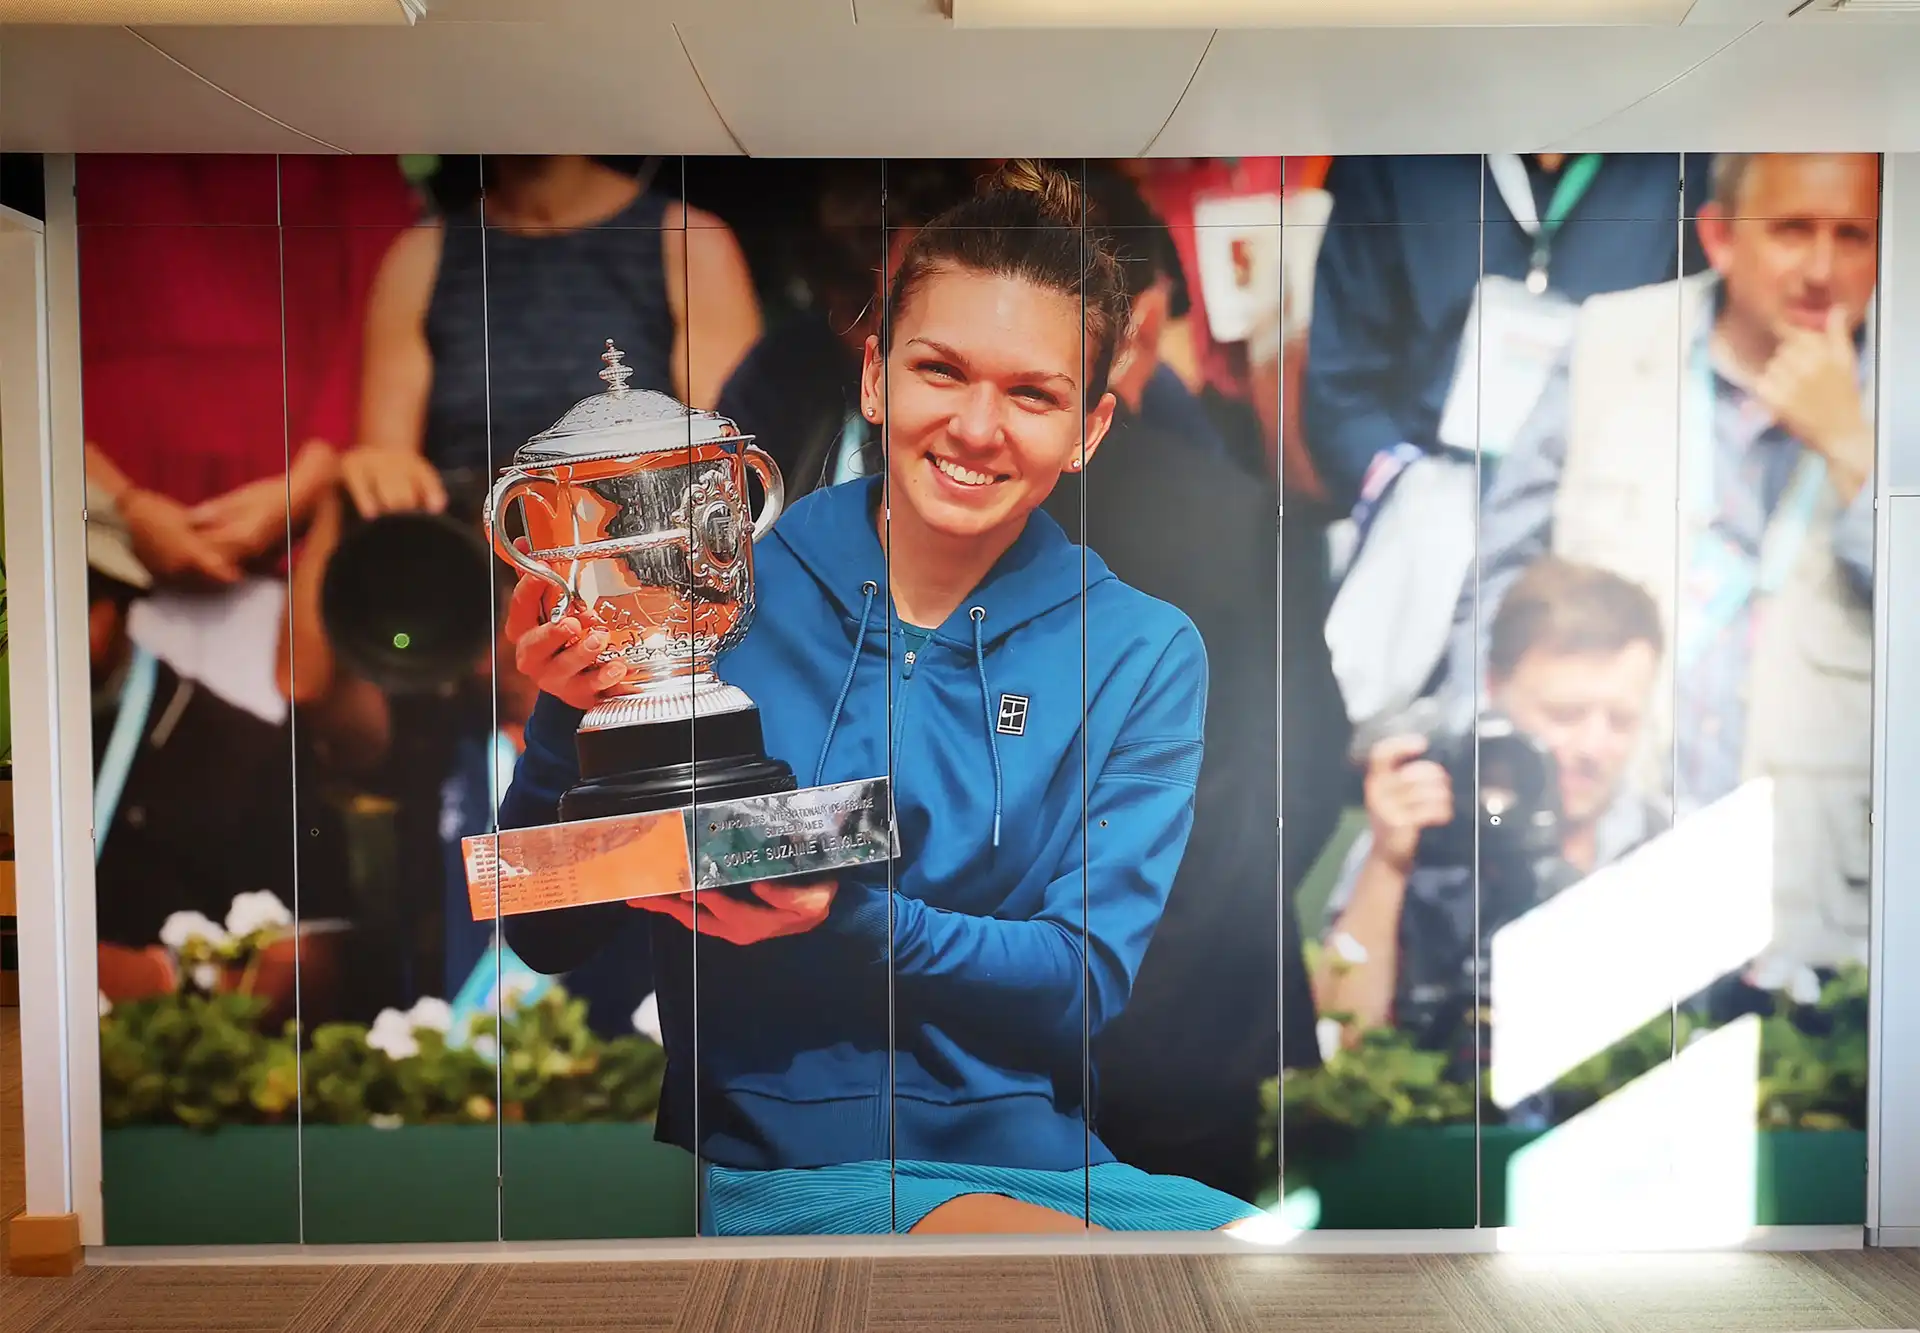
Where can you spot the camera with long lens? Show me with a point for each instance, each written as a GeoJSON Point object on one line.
{"type": "Point", "coordinates": [1495, 861]}
{"type": "Point", "coordinates": [407, 598]}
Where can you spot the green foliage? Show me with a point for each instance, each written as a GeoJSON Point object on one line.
{"type": "Point", "coordinates": [351, 1082]}
{"type": "Point", "coordinates": [1381, 1079]}
{"type": "Point", "coordinates": [1812, 1072]}
{"type": "Point", "coordinates": [201, 1060]}
{"type": "Point", "coordinates": [189, 1059]}
{"type": "Point", "coordinates": [557, 1070]}
{"type": "Point", "coordinates": [1814, 1059]}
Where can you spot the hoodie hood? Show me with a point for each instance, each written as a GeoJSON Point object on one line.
{"type": "Point", "coordinates": [833, 536]}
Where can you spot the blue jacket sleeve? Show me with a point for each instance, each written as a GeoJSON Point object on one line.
{"type": "Point", "coordinates": [1102, 905]}
{"type": "Point", "coordinates": [547, 766]}
{"type": "Point", "coordinates": [1354, 354]}
{"type": "Point", "coordinates": [558, 941]}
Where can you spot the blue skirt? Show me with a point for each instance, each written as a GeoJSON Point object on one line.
{"type": "Point", "coordinates": [879, 1198]}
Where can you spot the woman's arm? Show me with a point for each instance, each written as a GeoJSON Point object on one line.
{"type": "Point", "coordinates": [387, 469]}
{"type": "Point", "coordinates": [161, 528]}
{"type": "Point", "coordinates": [1101, 909]}
{"type": "Point", "coordinates": [716, 316]}
{"type": "Point", "coordinates": [1360, 965]}
{"type": "Point", "coordinates": [349, 714]}
{"type": "Point", "coordinates": [561, 940]}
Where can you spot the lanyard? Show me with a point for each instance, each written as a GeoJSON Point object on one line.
{"type": "Point", "coordinates": [1510, 178]}
{"type": "Point", "coordinates": [1728, 581]}
{"type": "Point", "coordinates": [129, 724]}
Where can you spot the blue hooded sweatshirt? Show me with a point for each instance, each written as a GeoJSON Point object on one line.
{"type": "Point", "coordinates": [1037, 848]}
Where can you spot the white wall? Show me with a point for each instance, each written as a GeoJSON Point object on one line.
{"type": "Point", "coordinates": [46, 565]}
{"type": "Point", "coordinates": [1894, 1209]}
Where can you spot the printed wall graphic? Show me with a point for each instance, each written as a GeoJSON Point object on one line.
{"type": "Point", "coordinates": [1061, 830]}
{"type": "Point", "coordinates": [1557, 964]}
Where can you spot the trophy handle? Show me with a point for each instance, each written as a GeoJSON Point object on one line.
{"type": "Point", "coordinates": [519, 486]}
{"type": "Point", "coordinates": [761, 463]}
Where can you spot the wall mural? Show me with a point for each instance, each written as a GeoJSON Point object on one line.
{"type": "Point", "coordinates": [653, 697]}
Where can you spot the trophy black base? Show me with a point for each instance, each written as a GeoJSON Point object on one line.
{"type": "Point", "coordinates": [670, 765]}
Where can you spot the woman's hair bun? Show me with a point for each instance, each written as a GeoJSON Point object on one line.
{"type": "Point", "coordinates": [1055, 196]}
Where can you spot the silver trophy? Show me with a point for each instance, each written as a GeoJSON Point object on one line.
{"type": "Point", "coordinates": [637, 515]}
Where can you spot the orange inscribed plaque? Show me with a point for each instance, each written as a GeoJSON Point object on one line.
{"type": "Point", "coordinates": [572, 865]}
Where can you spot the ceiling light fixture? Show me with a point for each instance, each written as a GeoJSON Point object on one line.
{"type": "Point", "coordinates": [1866, 8]}
{"type": "Point", "coordinates": [1313, 13]}
{"type": "Point", "coordinates": [214, 13]}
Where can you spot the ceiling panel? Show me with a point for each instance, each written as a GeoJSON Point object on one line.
{"type": "Point", "coordinates": [579, 83]}
{"type": "Point", "coordinates": [1805, 86]}
{"type": "Point", "coordinates": [103, 89]}
{"type": "Point", "coordinates": [891, 77]}
{"type": "Point", "coordinates": [1423, 90]}
{"type": "Point", "coordinates": [1252, 14]}
{"type": "Point", "coordinates": [806, 80]}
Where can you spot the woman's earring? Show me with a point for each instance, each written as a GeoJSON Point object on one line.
{"type": "Point", "coordinates": [1075, 465]}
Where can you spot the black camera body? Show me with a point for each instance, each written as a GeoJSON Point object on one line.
{"type": "Point", "coordinates": [1498, 859]}
{"type": "Point", "coordinates": [409, 599]}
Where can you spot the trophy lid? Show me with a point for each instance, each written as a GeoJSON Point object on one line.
{"type": "Point", "coordinates": [622, 422]}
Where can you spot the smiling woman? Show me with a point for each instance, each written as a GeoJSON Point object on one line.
{"type": "Point", "coordinates": [1039, 829]}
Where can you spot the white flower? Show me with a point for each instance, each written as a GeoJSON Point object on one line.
{"type": "Point", "coordinates": [513, 993]}
{"type": "Point", "coordinates": [431, 1015]}
{"type": "Point", "coordinates": [385, 1121]}
{"type": "Point", "coordinates": [486, 1047]}
{"type": "Point", "coordinates": [1781, 974]}
{"type": "Point", "coordinates": [106, 1005]}
{"type": "Point", "coordinates": [1772, 973]}
{"type": "Point", "coordinates": [182, 928]}
{"type": "Point", "coordinates": [206, 976]}
{"type": "Point", "coordinates": [646, 1019]}
{"type": "Point", "coordinates": [252, 912]}
{"type": "Point", "coordinates": [1805, 988]}
{"type": "Point", "coordinates": [1328, 1033]}
{"type": "Point", "coordinates": [392, 1033]}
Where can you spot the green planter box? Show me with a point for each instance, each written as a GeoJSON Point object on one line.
{"type": "Point", "coordinates": [1423, 1177]}
{"type": "Point", "coordinates": [242, 1184]}
{"type": "Point", "coordinates": [1414, 1179]}
{"type": "Point", "coordinates": [165, 1185]}
{"type": "Point", "coordinates": [594, 1182]}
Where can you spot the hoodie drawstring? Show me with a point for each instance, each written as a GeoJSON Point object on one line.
{"type": "Point", "coordinates": [978, 615]}
{"type": "Point", "coordinates": [869, 590]}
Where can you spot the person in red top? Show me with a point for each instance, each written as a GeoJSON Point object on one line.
{"type": "Point", "coordinates": [222, 299]}
{"type": "Point", "coordinates": [1172, 187]}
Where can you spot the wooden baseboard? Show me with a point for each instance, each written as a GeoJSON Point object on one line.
{"type": "Point", "coordinates": [44, 1246]}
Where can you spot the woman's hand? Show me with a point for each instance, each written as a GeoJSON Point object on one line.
{"type": "Point", "coordinates": [783, 909]}
{"type": "Point", "coordinates": [385, 480]}
{"type": "Point", "coordinates": [245, 521]}
{"type": "Point", "coordinates": [1405, 796]}
{"type": "Point", "coordinates": [561, 657]}
{"type": "Point", "coordinates": [169, 544]}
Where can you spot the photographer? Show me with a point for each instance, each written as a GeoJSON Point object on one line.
{"type": "Point", "coordinates": [1571, 663]}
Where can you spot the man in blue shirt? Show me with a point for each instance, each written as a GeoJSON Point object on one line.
{"type": "Point", "coordinates": [1407, 244]}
